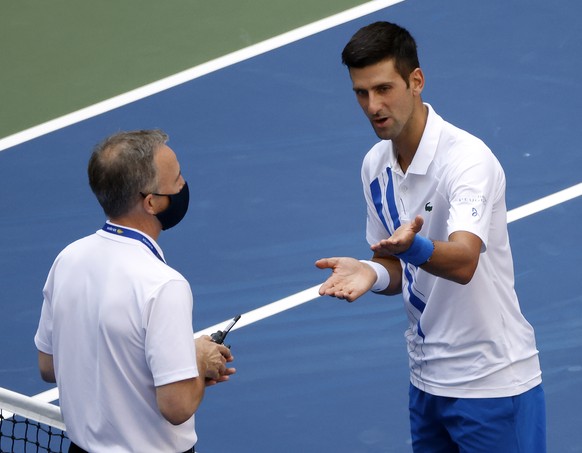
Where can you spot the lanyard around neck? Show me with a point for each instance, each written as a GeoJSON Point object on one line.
{"type": "Point", "coordinates": [132, 234]}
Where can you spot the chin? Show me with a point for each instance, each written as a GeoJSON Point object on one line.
{"type": "Point", "coordinates": [383, 135]}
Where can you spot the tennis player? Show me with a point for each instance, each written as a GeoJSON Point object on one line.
{"type": "Point", "coordinates": [115, 331]}
{"type": "Point", "coordinates": [438, 231]}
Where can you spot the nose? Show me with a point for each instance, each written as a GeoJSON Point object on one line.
{"type": "Point", "coordinates": [374, 104]}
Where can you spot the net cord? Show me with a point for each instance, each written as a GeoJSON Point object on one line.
{"type": "Point", "coordinates": [27, 407]}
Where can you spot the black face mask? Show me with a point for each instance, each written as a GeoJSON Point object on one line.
{"type": "Point", "coordinates": [177, 208]}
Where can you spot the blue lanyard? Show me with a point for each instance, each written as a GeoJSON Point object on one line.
{"type": "Point", "coordinates": [133, 235]}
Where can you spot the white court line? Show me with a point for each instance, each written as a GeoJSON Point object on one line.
{"type": "Point", "coordinates": [544, 203]}
{"type": "Point", "coordinates": [266, 311]}
{"type": "Point", "coordinates": [312, 293]}
{"type": "Point", "coordinates": [195, 72]}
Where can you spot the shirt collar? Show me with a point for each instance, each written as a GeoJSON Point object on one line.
{"type": "Point", "coordinates": [150, 240]}
{"type": "Point", "coordinates": [428, 143]}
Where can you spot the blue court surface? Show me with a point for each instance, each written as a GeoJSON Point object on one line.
{"type": "Point", "coordinates": [271, 148]}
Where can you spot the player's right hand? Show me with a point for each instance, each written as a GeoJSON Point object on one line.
{"type": "Point", "coordinates": [349, 280]}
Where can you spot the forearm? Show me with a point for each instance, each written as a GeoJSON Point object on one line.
{"type": "Point", "coordinates": [455, 259]}
{"type": "Point", "coordinates": [178, 401]}
{"type": "Point", "coordinates": [394, 269]}
{"type": "Point", "coordinates": [46, 367]}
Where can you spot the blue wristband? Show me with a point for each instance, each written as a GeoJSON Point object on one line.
{"type": "Point", "coordinates": [419, 251]}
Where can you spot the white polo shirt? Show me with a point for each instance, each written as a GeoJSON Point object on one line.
{"type": "Point", "coordinates": [118, 322]}
{"type": "Point", "coordinates": [469, 340]}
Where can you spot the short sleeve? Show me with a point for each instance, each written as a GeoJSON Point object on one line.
{"type": "Point", "coordinates": [43, 337]}
{"type": "Point", "coordinates": [474, 187]}
{"type": "Point", "coordinates": [169, 338]}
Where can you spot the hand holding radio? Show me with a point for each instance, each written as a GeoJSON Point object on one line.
{"type": "Point", "coordinates": [220, 335]}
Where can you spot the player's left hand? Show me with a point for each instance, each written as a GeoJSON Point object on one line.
{"type": "Point", "coordinates": [400, 241]}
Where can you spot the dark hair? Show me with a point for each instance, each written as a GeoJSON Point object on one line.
{"type": "Point", "coordinates": [382, 41]}
{"type": "Point", "coordinates": [122, 166]}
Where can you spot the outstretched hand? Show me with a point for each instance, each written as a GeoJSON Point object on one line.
{"type": "Point", "coordinates": [349, 280]}
{"type": "Point", "coordinates": [400, 241]}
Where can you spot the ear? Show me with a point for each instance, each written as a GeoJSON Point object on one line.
{"type": "Point", "coordinates": [148, 204]}
{"type": "Point", "coordinates": [416, 80]}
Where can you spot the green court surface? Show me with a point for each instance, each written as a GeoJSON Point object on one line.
{"type": "Point", "coordinates": [62, 55]}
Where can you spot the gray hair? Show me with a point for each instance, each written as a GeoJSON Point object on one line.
{"type": "Point", "coordinates": [122, 167]}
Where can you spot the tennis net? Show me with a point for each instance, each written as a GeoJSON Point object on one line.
{"type": "Point", "coordinates": [30, 425]}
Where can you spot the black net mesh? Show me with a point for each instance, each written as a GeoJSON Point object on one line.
{"type": "Point", "coordinates": [22, 435]}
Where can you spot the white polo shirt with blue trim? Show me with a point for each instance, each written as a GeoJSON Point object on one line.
{"type": "Point", "coordinates": [468, 341]}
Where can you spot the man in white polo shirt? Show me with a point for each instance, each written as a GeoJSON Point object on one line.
{"type": "Point", "coordinates": [115, 331]}
{"type": "Point", "coordinates": [437, 226]}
